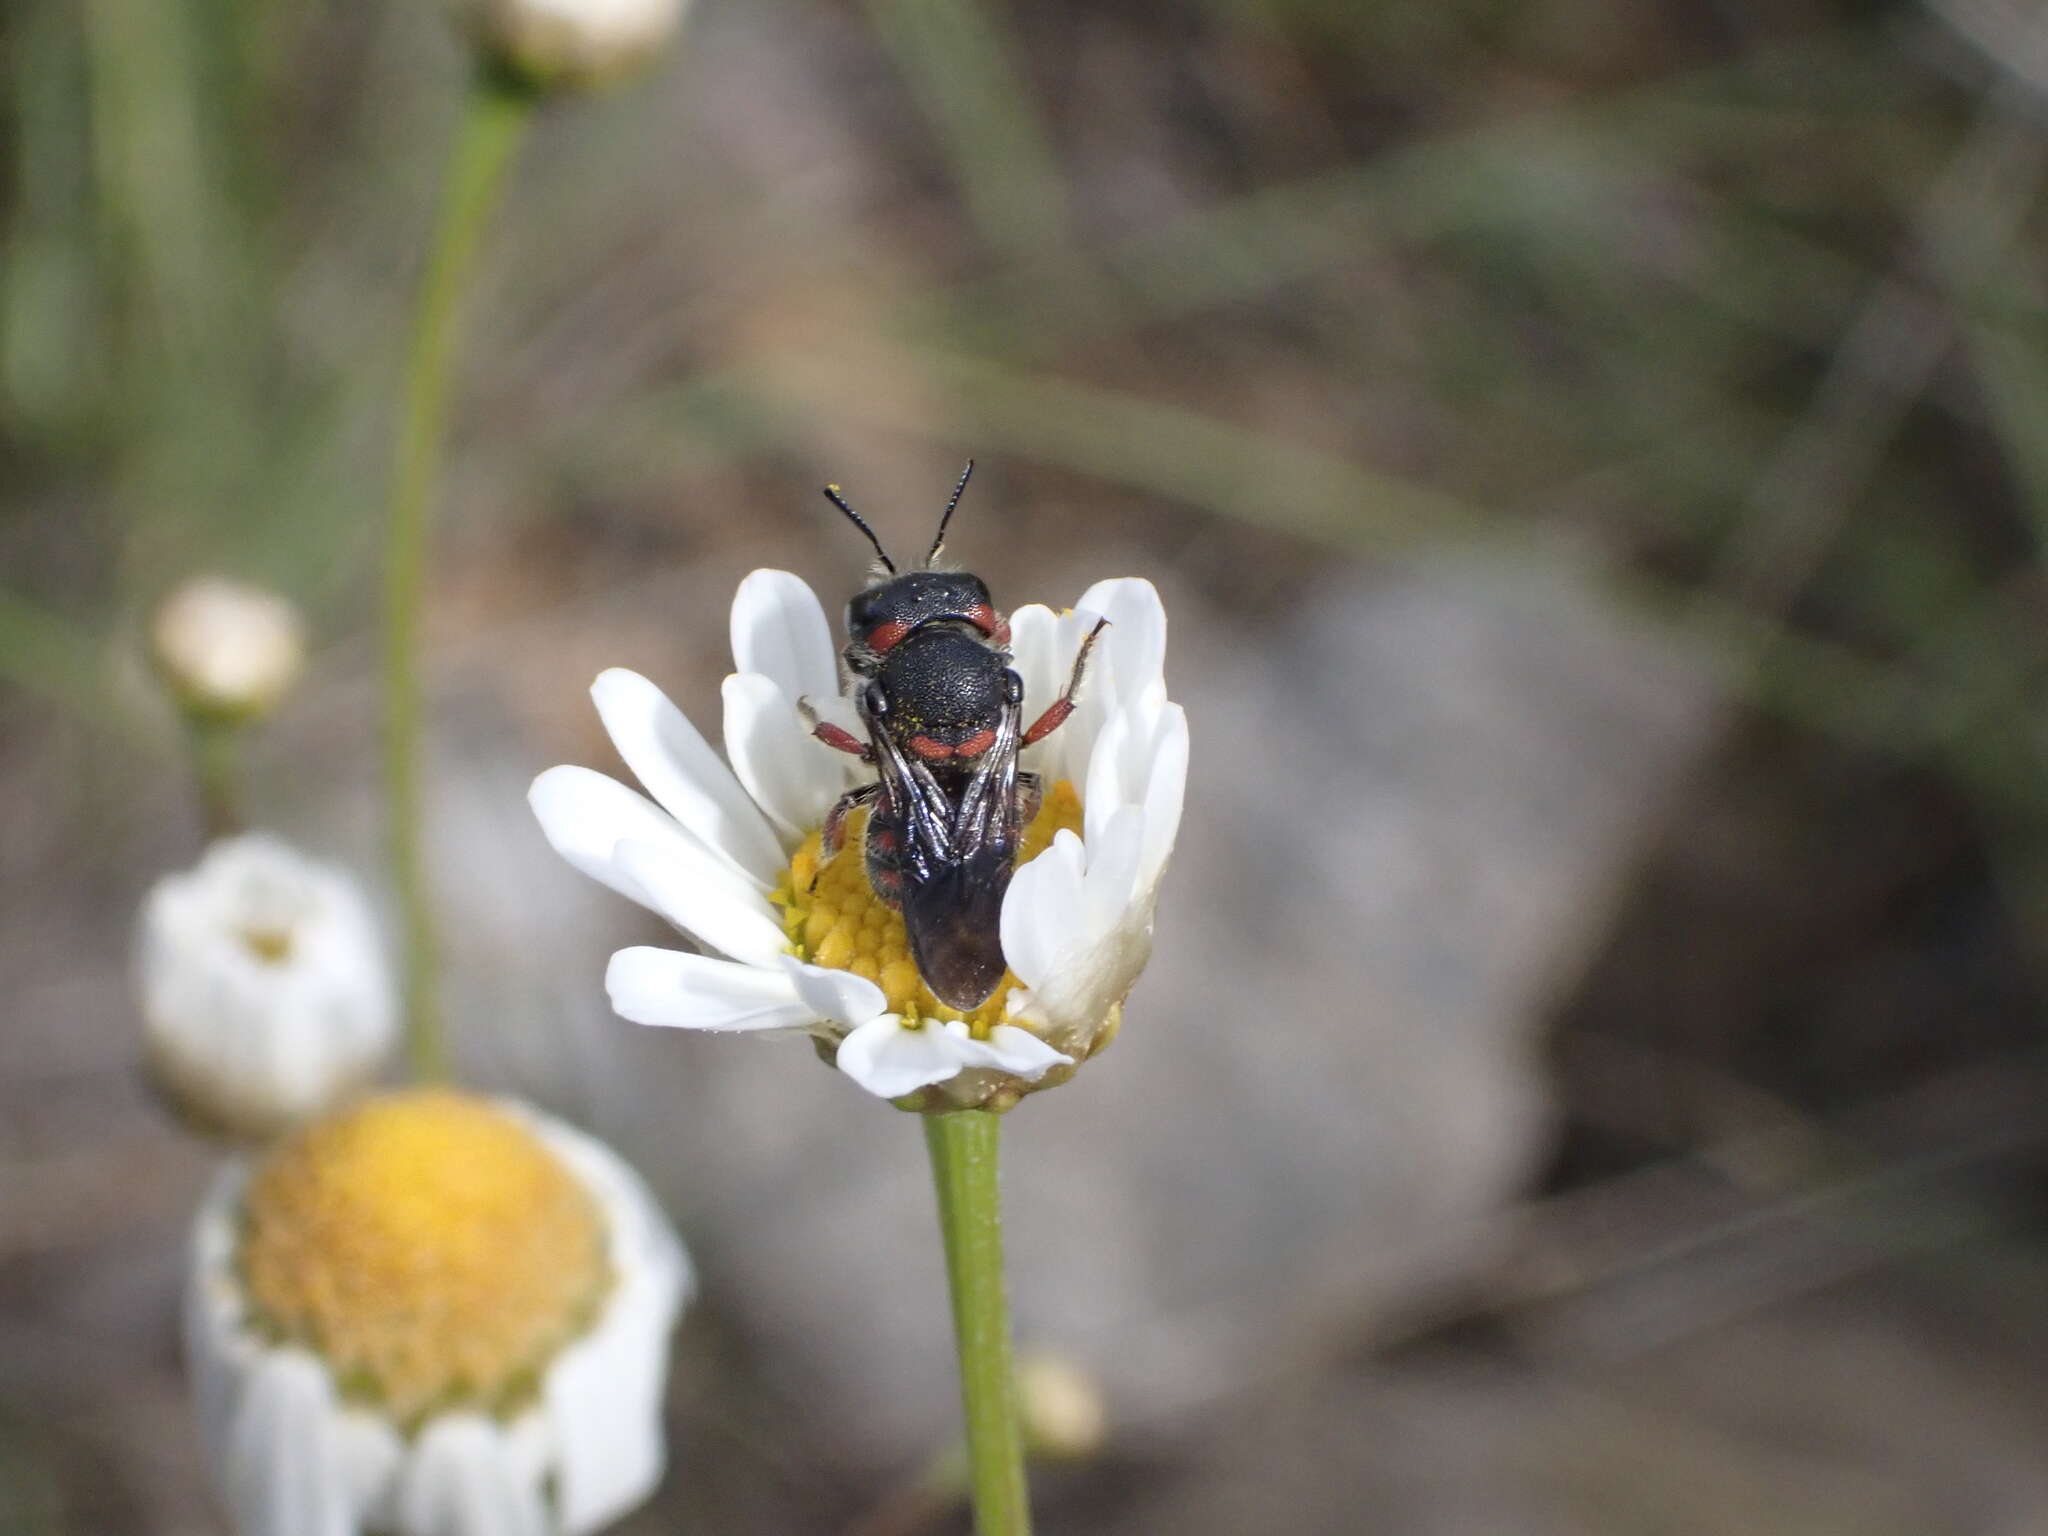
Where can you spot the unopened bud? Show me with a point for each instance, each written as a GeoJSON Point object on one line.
{"type": "Point", "coordinates": [1064, 1415]}
{"type": "Point", "coordinates": [228, 651]}
{"type": "Point", "coordinates": [571, 43]}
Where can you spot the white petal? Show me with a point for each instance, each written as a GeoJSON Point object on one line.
{"type": "Point", "coordinates": [585, 816]}
{"type": "Point", "coordinates": [794, 776]}
{"type": "Point", "coordinates": [1124, 669]}
{"type": "Point", "coordinates": [664, 986]}
{"type": "Point", "coordinates": [1110, 888]}
{"type": "Point", "coordinates": [1134, 645]}
{"type": "Point", "coordinates": [213, 1309]}
{"type": "Point", "coordinates": [1047, 666]}
{"type": "Point", "coordinates": [603, 1394]}
{"type": "Point", "coordinates": [730, 917]}
{"type": "Point", "coordinates": [1165, 789]}
{"type": "Point", "coordinates": [284, 1463]}
{"type": "Point", "coordinates": [840, 996]}
{"type": "Point", "coordinates": [672, 759]}
{"type": "Point", "coordinates": [889, 1060]}
{"type": "Point", "coordinates": [589, 819]}
{"type": "Point", "coordinates": [463, 1480]}
{"type": "Point", "coordinates": [1042, 910]}
{"type": "Point", "coordinates": [1022, 1053]}
{"type": "Point", "coordinates": [1141, 760]}
{"type": "Point", "coordinates": [1104, 791]}
{"type": "Point", "coordinates": [779, 631]}
{"type": "Point", "coordinates": [1035, 655]}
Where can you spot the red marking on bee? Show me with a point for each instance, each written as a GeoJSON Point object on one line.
{"type": "Point", "coordinates": [882, 839]}
{"type": "Point", "coordinates": [930, 750]}
{"type": "Point", "coordinates": [884, 637]}
{"type": "Point", "coordinates": [989, 622]}
{"type": "Point", "coordinates": [976, 744]}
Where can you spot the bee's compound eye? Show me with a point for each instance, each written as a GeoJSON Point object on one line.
{"type": "Point", "coordinates": [876, 698]}
{"type": "Point", "coordinates": [1013, 687]}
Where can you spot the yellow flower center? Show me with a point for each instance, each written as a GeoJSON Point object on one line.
{"type": "Point", "coordinates": [429, 1247]}
{"type": "Point", "coordinates": [272, 946]}
{"type": "Point", "coordinates": [833, 917]}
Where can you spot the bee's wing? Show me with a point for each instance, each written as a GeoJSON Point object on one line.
{"type": "Point", "coordinates": [955, 925]}
{"type": "Point", "coordinates": [987, 814]}
{"type": "Point", "coordinates": [961, 857]}
{"type": "Point", "coordinates": [925, 810]}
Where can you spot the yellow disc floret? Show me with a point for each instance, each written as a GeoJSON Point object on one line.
{"type": "Point", "coordinates": [429, 1247]}
{"type": "Point", "coordinates": [833, 917]}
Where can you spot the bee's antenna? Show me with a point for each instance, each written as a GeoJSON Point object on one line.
{"type": "Point", "coordinates": [939, 538]}
{"type": "Point", "coordinates": [833, 495]}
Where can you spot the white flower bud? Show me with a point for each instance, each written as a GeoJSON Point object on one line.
{"type": "Point", "coordinates": [571, 43]}
{"type": "Point", "coordinates": [228, 651]}
{"type": "Point", "coordinates": [1064, 1416]}
{"type": "Point", "coordinates": [263, 985]}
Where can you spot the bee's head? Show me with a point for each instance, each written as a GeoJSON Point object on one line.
{"type": "Point", "coordinates": [896, 604]}
{"type": "Point", "coordinates": [888, 613]}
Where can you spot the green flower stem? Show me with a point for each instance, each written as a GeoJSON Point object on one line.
{"type": "Point", "coordinates": [217, 764]}
{"type": "Point", "coordinates": [963, 1153]}
{"type": "Point", "coordinates": [492, 120]}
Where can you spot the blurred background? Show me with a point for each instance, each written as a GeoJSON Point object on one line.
{"type": "Point", "coordinates": [1596, 458]}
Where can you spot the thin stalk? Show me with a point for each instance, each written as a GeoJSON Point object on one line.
{"type": "Point", "coordinates": [217, 764]}
{"type": "Point", "coordinates": [963, 1153]}
{"type": "Point", "coordinates": [492, 120]}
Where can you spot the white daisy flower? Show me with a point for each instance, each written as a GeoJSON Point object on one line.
{"type": "Point", "coordinates": [730, 854]}
{"type": "Point", "coordinates": [432, 1314]}
{"type": "Point", "coordinates": [263, 984]}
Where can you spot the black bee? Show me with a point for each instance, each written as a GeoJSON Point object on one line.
{"type": "Point", "coordinates": [928, 657]}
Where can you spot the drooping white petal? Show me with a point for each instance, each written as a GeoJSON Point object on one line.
{"type": "Point", "coordinates": [665, 986]}
{"type": "Point", "coordinates": [779, 630]}
{"type": "Point", "coordinates": [284, 1465]}
{"type": "Point", "coordinates": [678, 767]}
{"type": "Point", "coordinates": [794, 776]}
{"type": "Point", "coordinates": [1022, 1053]}
{"type": "Point", "coordinates": [889, 1059]}
{"type": "Point", "coordinates": [603, 1394]}
{"type": "Point", "coordinates": [212, 1310]}
{"type": "Point", "coordinates": [463, 1480]}
{"type": "Point", "coordinates": [731, 918]}
{"type": "Point", "coordinates": [839, 996]}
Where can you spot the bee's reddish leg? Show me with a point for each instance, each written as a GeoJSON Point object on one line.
{"type": "Point", "coordinates": [833, 834]}
{"type": "Point", "coordinates": [836, 737]}
{"type": "Point", "coordinates": [1063, 706]}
